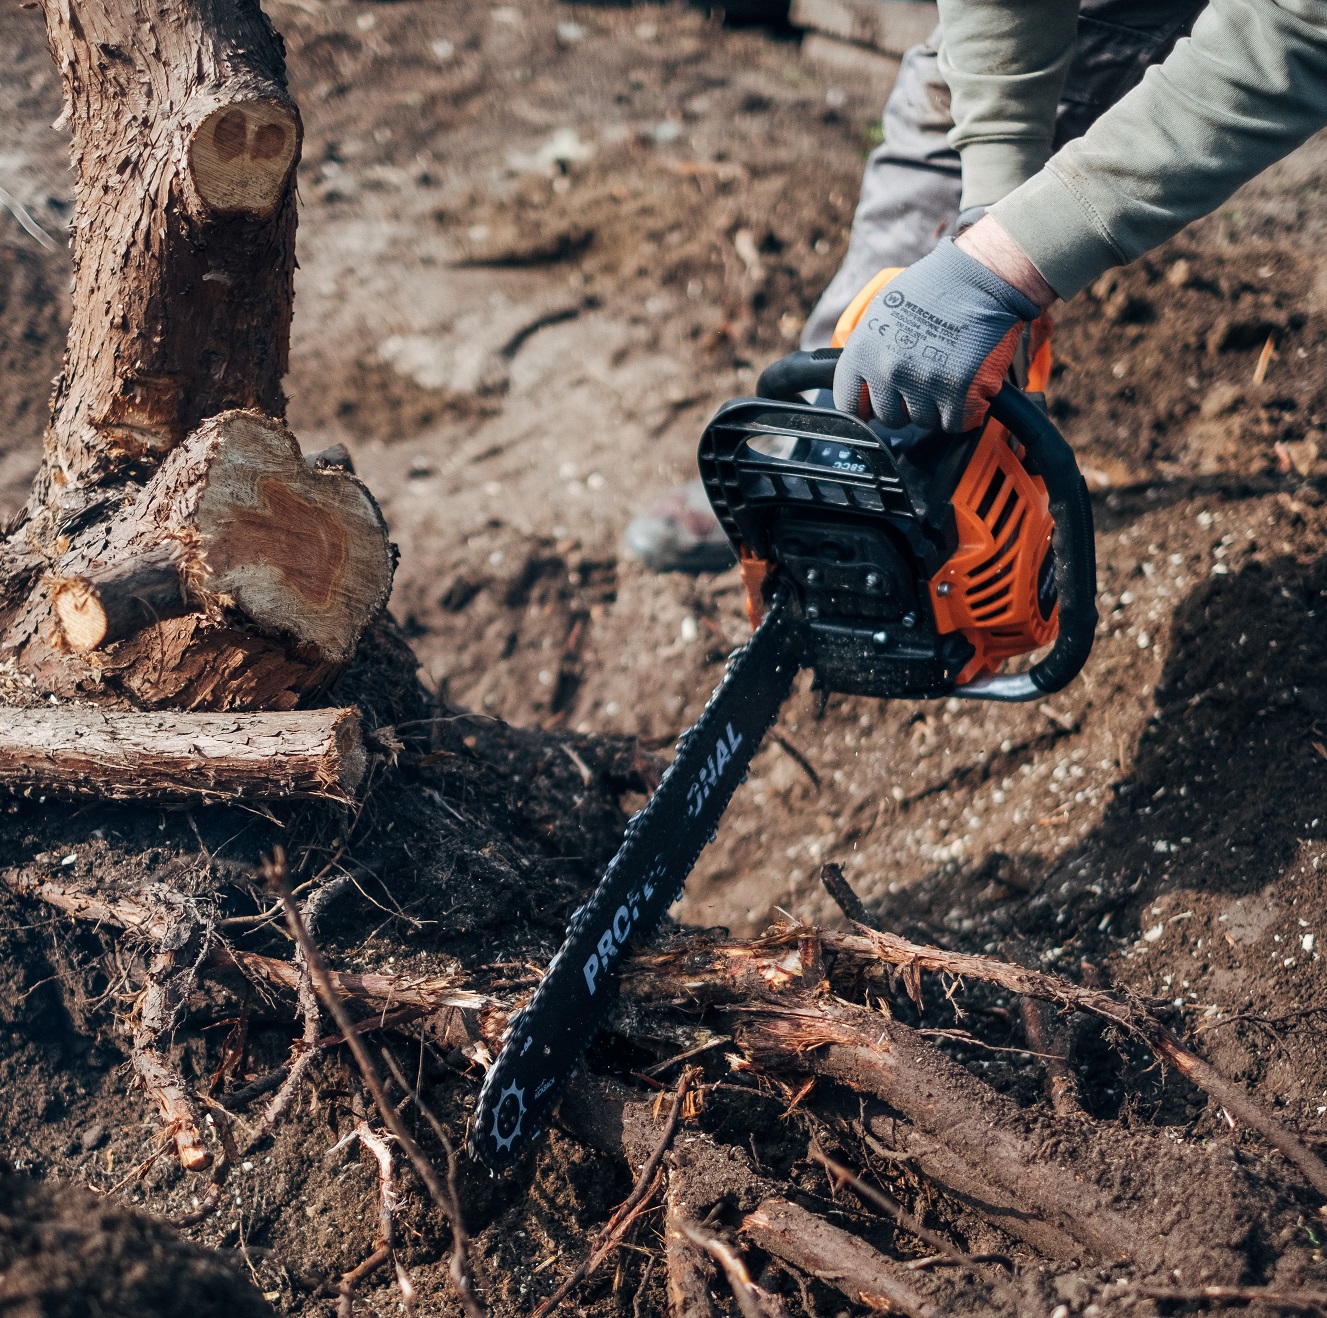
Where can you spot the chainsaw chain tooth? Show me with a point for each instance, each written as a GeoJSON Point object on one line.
{"type": "Point", "coordinates": [660, 845]}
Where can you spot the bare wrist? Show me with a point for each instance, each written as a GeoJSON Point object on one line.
{"type": "Point", "coordinates": [988, 242]}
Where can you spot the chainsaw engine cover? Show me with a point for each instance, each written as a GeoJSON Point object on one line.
{"type": "Point", "coordinates": [915, 561]}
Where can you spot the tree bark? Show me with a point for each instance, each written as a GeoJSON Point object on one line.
{"type": "Point", "coordinates": [136, 756]}
{"type": "Point", "coordinates": [185, 142]}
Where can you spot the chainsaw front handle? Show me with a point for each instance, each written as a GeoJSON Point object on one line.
{"type": "Point", "coordinates": [1048, 455]}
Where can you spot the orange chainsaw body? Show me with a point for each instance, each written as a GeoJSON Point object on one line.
{"type": "Point", "coordinates": [992, 588]}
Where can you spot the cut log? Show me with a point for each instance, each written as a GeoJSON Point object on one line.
{"type": "Point", "coordinates": [299, 555]}
{"type": "Point", "coordinates": [173, 757]}
{"type": "Point", "coordinates": [837, 1257]}
{"type": "Point", "coordinates": [105, 604]}
{"type": "Point", "coordinates": [240, 157]}
{"type": "Point", "coordinates": [293, 548]}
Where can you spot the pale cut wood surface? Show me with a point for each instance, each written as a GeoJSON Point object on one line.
{"type": "Point", "coordinates": [132, 755]}
{"type": "Point", "coordinates": [241, 155]}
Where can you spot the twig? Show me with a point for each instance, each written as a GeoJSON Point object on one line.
{"type": "Point", "coordinates": [799, 759]}
{"type": "Point", "coordinates": [459, 1265]}
{"type": "Point", "coordinates": [659, 1067]}
{"type": "Point", "coordinates": [888, 1204]}
{"type": "Point", "coordinates": [1296, 1301]}
{"type": "Point", "coordinates": [847, 900]}
{"type": "Point", "coordinates": [275, 873]}
{"type": "Point", "coordinates": [650, 1178]}
{"type": "Point", "coordinates": [751, 1299]}
{"type": "Point", "coordinates": [26, 222]}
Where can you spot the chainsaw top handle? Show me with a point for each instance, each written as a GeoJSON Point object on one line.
{"type": "Point", "coordinates": [1046, 454]}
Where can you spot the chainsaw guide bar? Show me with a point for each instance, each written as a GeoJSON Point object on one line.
{"type": "Point", "coordinates": [642, 881]}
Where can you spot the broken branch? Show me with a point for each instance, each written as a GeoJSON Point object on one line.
{"type": "Point", "coordinates": [105, 604]}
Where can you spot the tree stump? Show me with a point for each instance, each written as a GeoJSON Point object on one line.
{"type": "Point", "coordinates": [176, 550]}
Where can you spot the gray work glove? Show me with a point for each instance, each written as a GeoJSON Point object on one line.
{"type": "Point", "coordinates": [933, 345]}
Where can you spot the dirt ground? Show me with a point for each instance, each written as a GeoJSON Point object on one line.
{"type": "Point", "coordinates": [522, 290]}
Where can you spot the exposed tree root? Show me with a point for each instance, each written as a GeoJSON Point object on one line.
{"type": "Point", "coordinates": [835, 1256]}
{"type": "Point", "coordinates": [443, 1196]}
{"type": "Point", "coordinates": [751, 1300]}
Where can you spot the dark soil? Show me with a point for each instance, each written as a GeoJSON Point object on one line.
{"type": "Point", "coordinates": [522, 291]}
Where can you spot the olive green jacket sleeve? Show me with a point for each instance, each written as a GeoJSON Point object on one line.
{"type": "Point", "coordinates": [1245, 89]}
{"type": "Point", "coordinates": [1005, 62]}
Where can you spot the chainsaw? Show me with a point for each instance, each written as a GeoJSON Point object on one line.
{"type": "Point", "coordinates": [895, 564]}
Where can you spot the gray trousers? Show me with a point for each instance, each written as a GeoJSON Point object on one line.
{"type": "Point", "coordinates": [912, 183]}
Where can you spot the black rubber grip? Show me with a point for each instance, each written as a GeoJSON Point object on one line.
{"type": "Point", "coordinates": [1073, 537]}
{"type": "Point", "coordinates": [789, 377]}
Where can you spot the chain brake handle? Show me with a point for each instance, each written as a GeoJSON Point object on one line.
{"type": "Point", "coordinates": [1047, 454]}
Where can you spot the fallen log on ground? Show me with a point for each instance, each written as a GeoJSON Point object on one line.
{"type": "Point", "coordinates": [164, 756]}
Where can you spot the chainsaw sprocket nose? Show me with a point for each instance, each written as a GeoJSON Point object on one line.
{"type": "Point", "coordinates": [916, 562]}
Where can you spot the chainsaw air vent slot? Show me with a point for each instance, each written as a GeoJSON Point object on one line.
{"type": "Point", "coordinates": [865, 497]}
{"type": "Point", "coordinates": [796, 487]}
{"type": "Point", "coordinates": [757, 486]}
{"type": "Point", "coordinates": [1010, 506]}
{"type": "Point", "coordinates": [832, 492]}
{"type": "Point", "coordinates": [982, 568]}
{"type": "Point", "coordinates": [992, 490]}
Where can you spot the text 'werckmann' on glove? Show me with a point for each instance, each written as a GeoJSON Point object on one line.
{"type": "Point", "coordinates": [933, 346]}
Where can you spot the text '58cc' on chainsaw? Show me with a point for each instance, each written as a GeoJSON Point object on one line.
{"type": "Point", "coordinates": [895, 564]}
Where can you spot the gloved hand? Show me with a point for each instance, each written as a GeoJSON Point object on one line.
{"type": "Point", "coordinates": [933, 346]}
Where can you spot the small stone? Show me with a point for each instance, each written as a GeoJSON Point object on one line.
{"type": "Point", "coordinates": [1180, 274]}
{"type": "Point", "coordinates": [93, 1138]}
{"type": "Point", "coordinates": [1221, 398]}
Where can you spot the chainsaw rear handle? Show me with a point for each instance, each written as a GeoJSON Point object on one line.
{"type": "Point", "coordinates": [1049, 456]}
